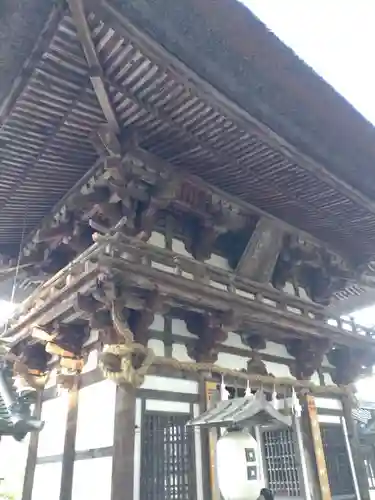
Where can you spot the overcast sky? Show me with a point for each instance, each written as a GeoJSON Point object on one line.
{"type": "Point", "coordinates": [335, 37]}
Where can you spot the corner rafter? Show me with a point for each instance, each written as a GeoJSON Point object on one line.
{"type": "Point", "coordinates": [95, 69]}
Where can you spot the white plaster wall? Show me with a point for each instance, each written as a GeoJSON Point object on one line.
{"type": "Point", "coordinates": [233, 361]}
{"type": "Point", "coordinates": [92, 479]}
{"type": "Point", "coordinates": [155, 383]}
{"type": "Point", "coordinates": [47, 480]}
{"type": "Point", "coordinates": [95, 421]}
{"type": "Point", "coordinates": [13, 457]}
{"type": "Point", "coordinates": [52, 436]}
{"type": "Point", "coordinates": [157, 239]}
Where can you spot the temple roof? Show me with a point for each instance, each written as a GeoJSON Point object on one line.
{"type": "Point", "coordinates": [208, 88]}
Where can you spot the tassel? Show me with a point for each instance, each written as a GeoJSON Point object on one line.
{"type": "Point", "coordinates": [248, 392]}
{"type": "Point", "coordinates": [224, 394]}
{"type": "Point", "coordinates": [274, 400]}
{"type": "Point", "coordinates": [296, 406]}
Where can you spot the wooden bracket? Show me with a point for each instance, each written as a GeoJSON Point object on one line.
{"type": "Point", "coordinates": [259, 258]}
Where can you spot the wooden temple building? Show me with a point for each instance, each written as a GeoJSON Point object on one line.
{"type": "Point", "coordinates": [184, 206]}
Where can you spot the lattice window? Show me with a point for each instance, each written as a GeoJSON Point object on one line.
{"type": "Point", "coordinates": [337, 460]}
{"type": "Point", "coordinates": [167, 470]}
{"type": "Point", "coordinates": [280, 461]}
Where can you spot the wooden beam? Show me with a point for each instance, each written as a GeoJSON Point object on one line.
{"type": "Point", "coordinates": [180, 71]}
{"type": "Point", "coordinates": [259, 258]}
{"type": "Point", "coordinates": [69, 445]}
{"type": "Point", "coordinates": [123, 454]}
{"type": "Point", "coordinates": [32, 454]}
{"type": "Point", "coordinates": [95, 70]}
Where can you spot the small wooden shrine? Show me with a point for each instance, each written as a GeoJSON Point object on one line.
{"type": "Point", "coordinates": [186, 212]}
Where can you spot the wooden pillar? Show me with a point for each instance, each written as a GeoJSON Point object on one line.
{"type": "Point", "coordinates": [356, 458]}
{"type": "Point", "coordinates": [259, 258]}
{"type": "Point", "coordinates": [325, 491]}
{"type": "Point", "coordinates": [210, 391]}
{"type": "Point", "coordinates": [123, 446]}
{"type": "Point", "coordinates": [205, 443]}
{"type": "Point", "coordinates": [69, 444]}
{"type": "Point", "coordinates": [32, 454]}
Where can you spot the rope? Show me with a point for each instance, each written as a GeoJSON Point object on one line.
{"type": "Point", "coordinates": [126, 374]}
{"type": "Point", "coordinates": [125, 352]}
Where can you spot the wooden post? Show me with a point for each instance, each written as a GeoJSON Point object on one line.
{"type": "Point", "coordinates": [123, 445]}
{"type": "Point", "coordinates": [259, 258]}
{"type": "Point", "coordinates": [321, 467]}
{"type": "Point", "coordinates": [211, 389]}
{"type": "Point", "coordinates": [356, 459]}
{"type": "Point", "coordinates": [32, 454]}
{"type": "Point", "coordinates": [69, 444]}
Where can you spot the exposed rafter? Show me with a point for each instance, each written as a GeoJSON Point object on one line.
{"type": "Point", "coordinates": [125, 27]}
{"type": "Point", "coordinates": [95, 70]}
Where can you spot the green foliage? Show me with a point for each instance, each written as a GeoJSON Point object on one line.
{"type": "Point", "coordinates": [6, 496]}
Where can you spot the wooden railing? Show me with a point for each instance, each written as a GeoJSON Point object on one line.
{"type": "Point", "coordinates": [183, 280]}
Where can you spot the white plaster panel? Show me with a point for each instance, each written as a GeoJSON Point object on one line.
{"type": "Point", "coordinates": [330, 404]}
{"type": "Point", "coordinates": [47, 480]}
{"type": "Point", "coordinates": [52, 436]}
{"type": "Point", "coordinates": [162, 267]}
{"type": "Point", "coordinates": [328, 419]}
{"type": "Point", "coordinates": [157, 346]}
{"type": "Point", "coordinates": [51, 382]}
{"type": "Point", "coordinates": [231, 361]}
{"type": "Point", "coordinates": [137, 449]}
{"type": "Point", "coordinates": [218, 285]}
{"type": "Point", "coordinates": [158, 323]}
{"type": "Point", "coordinates": [170, 384]}
{"type": "Point", "coordinates": [325, 362]}
{"type": "Point", "coordinates": [93, 337]}
{"type": "Point", "coordinates": [157, 239]}
{"type": "Point", "coordinates": [179, 247]}
{"type": "Point", "coordinates": [315, 378]}
{"type": "Point", "coordinates": [328, 379]}
{"type": "Point", "coordinates": [13, 457]}
{"type": "Point", "coordinates": [278, 370]}
{"type": "Point", "coordinates": [179, 328]}
{"type": "Point", "coordinates": [96, 416]}
{"type": "Point", "coordinates": [92, 478]}
{"type": "Point", "coordinates": [92, 361]}
{"type": "Point", "coordinates": [275, 349]}
{"type": "Point", "coordinates": [167, 406]}
{"type": "Point", "coordinates": [234, 340]}
{"type": "Point", "coordinates": [179, 351]}
{"type": "Point", "coordinates": [218, 261]}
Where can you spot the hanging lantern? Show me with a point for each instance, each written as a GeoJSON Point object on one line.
{"type": "Point", "coordinates": [237, 466]}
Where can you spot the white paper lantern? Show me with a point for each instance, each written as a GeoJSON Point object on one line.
{"type": "Point", "coordinates": [237, 466]}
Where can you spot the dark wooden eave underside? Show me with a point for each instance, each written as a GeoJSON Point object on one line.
{"type": "Point", "coordinates": [45, 144]}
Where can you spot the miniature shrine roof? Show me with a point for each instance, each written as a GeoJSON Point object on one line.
{"type": "Point", "coordinates": [207, 87]}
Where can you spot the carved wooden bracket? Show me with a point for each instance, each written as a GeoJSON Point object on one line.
{"type": "Point", "coordinates": [211, 330]}
{"type": "Point", "coordinates": [308, 356]}
{"type": "Point", "coordinates": [350, 364]}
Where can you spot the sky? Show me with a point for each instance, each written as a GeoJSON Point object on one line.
{"type": "Point", "coordinates": [336, 38]}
